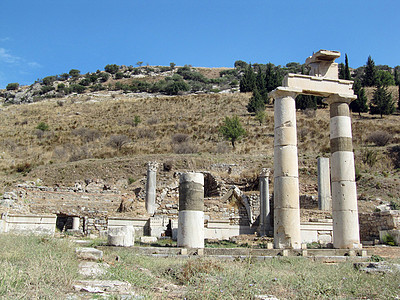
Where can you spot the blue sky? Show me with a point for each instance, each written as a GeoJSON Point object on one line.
{"type": "Point", "coordinates": [49, 37]}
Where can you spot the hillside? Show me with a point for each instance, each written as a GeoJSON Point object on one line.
{"type": "Point", "coordinates": [110, 135]}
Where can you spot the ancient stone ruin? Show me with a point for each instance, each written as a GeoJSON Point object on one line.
{"type": "Point", "coordinates": [322, 81]}
{"type": "Point", "coordinates": [191, 207]}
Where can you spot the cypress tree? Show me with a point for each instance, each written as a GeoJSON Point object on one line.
{"type": "Point", "coordinates": [306, 101]}
{"type": "Point", "coordinates": [248, 81]}
{"type": "Point", "coordinates": [347, 74]}
{"type": "Point", "coordinates": [260, 80]}
{"type": "Point", "coordinates": [360, 104]}
{"type": "Point", "coordinates": [381, 102]}
{"type": "Point", "coordinates": [369, 77]}
{"type": "Point", "coordinates": [341, 71]}
{"type": "Point", "coordinates": [398, 101]}
{"type": "Point", "coordinates": [256, 102]}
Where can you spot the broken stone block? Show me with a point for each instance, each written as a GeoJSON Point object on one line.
{"type": "Point", "coordinates": [89, 253]}
{"type": "Point", "coordinates": [148, 239]}
{"type": "Point", "coordinates": [121, 236]}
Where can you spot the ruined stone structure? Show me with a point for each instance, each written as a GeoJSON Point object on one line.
{"type": "Point", "coordinates": [322, 81]}
{"type": "Point", "coordinates": [191, 211]}
{"type": "Point", "coordinates": [151, 187]}
{"type": "Point", "coordinates": [324, 184]}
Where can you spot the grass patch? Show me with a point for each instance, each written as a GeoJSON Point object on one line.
{"type": "Point", "coordinates": [34, 267]}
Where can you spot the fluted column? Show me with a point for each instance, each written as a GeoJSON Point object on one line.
{"type": "Point", "coordinates": [151, 187]}
{"type": "Point", "coordinates": [286, 178]}
{"type": "Point", "coordinates": [346, 233]}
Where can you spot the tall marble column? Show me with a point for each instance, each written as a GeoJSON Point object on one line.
{"type": "Point", "coordinates": [286, 178]}
{"type": "Point", "coordinates": [151, 187]}
{"type": "Point", "coordinates": [346, 233]}
{"type": "Point", "coordinates": [191, 211]}
{"type": "Point", "coordinates": [324, 184]}
{"type": "Point", "coordinates": [265, 221]}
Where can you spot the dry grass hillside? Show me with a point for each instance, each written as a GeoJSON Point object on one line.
{"type": "Point", "coordinates": [111, 135]}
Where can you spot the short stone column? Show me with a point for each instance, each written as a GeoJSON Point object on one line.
{"type": "Point", "coordinates": [75, 223]}
{"type": "Point", "coordinates": [286, 178]}
{"type": "Point", "coordinates": [324, 184]}
{"type": "Point", "coordinates": [346, 233]}
{"type": "Point", "coordinates": [151, 187]}
{"type": "Point", "coordinates": [265, 221]}
{"type": "Point", "coordinates": [191, 211]}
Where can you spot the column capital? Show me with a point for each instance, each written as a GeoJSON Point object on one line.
{"type": "Point", "coordinates": [152, 166]}
{"type": "Point", "coordinates": [339, 98]}
{"type": "Point", "coordinates": [265, 172]}
{"type": "Point", "coordinates": [281, 92]}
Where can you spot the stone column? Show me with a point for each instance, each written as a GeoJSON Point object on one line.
{"type": "Point", "coordinates": [151, 187]}
{"type": "Point", "coordinates": [286, 178]}
{"type": "Point", "coordinates": [75, 223]}
{"type": "Point", "coordinates": [324, 184]}
{"type": "Point", "coordinates": [191, 211]}
{"type": "Point", "coordinates": [346, 232]}
{"type": "Point", "coordinates": [265, 222]}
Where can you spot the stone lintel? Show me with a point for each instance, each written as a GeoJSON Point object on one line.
{"type": "Point", "coordinates": [318, 86]}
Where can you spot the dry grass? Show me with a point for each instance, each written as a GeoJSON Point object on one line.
{"type": "Point", "coordinates": [76, 144]}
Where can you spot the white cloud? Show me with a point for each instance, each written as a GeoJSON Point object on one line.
{"type": "Point", "coordinates": [6, 57]}
{"type": "Point", "coordinates": [34, 64]}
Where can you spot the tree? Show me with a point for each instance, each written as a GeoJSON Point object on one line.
{"type": "Point", "coordinates": [398, 101]}
{"type": "Point", "coordinates": [240, 64]}
{"type": "Point", "coordinates": [347, 74]}
{"type": "Point", "coordinates": [381, 102]}
{"type": "Point", "coordinates": [118, 141]}
{"type": "Point", "coordinates": [369, 77]}
{"type": "Point", "coordinates": [172, 65]}
{"type": "Point", "coordinates": [341, 71]}
{"type": "Point", "coordinates": [74, 73]}
{"type": "Point", "coordinates": [306, 102]}
{"type": "Point", "coordinates": [248, 80]}
{"type": "Point", "coordinates": [139, 63]}
{"type": "Point", "coordinates": [360, 104]}
{"type": "Point", "coordinates": [384, 78]}
{"type": "Point", "coordinates": [12, 86]}
{"type": "Point", "coordinates": [260, 116]}
{"type": "Point", "coordinates": [273, 78]}
{"type": "Point", "coordinates": [256, 102]}
{"type": "Point", "coordinates": [232, 130]}
{"type": "Point", "coordinates": [112, 69]}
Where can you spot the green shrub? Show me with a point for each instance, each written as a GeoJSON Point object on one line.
{"type": "Point", "coordinates": [389, 240]}
{"type": "Point", "coordinates": [42, 126]}
{"type": "Point", "coordinates": [104, 77]}
{"type": "Point", "coordinates": [119, 75]}
{"type": "Point", "coordinates": [112, 69]}
{"type": "Point", "coordinates": [12, 86]}
{"type": "Point", "coordinates": [85, 82]}
{"type": "Point", "coordinates": [77, 88]}
{"type": "Point", "coordinates": [45, 89]}
{"type": "Point", "coordinates": [74, 73]}
{"type": "Point", "coordinates": [49, 80]}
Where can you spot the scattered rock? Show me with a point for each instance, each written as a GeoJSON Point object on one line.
{"type": "Point", "coordinates": [89, 253]}
{"type": "Point", "coordinates": [92, 269]}
{"type": "Point", "coordinates": [376, 267]}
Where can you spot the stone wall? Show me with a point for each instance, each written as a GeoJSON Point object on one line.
{"type": "Point", "coordinates": [372, 223]}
